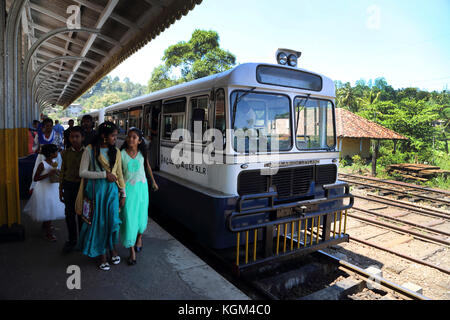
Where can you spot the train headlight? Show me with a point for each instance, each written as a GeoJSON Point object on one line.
{"type": "Point", "coordinates": [288, 57]}
{"type": "Point", "coordinates": [282, 58]}
{"type": "Point", "coordinates": [292, 60]}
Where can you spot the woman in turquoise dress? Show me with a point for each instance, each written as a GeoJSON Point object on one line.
{"type": "Point", "coordinates": [101, 169]}
{"type": "Point", "coordinates": [134, 214]}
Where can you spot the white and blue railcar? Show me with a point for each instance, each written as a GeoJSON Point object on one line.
{"type": "Point", "coordinates": [221, 186]}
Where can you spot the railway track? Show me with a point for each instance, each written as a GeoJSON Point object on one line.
{"type": "Point", "coordinates": [340, 279]}
{"type": "Point", "coordinates": [402, 223]}
{"type": "Point", "coordinates": [316, 276]}
{"type": "Point", "coordinates": [439, 198]}
{"type": "Point", "coordinates": [402, 231]}
{"type": "Point", "coordinates": [322, 276]}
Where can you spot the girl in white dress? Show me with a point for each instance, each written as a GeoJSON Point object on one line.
{"type": "Point", "coordinates": [44, 204]}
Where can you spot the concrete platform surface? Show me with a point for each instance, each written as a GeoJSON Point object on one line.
{"type": "Point", "coordinates": [165, 270]}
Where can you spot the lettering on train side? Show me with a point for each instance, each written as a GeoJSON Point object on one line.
{"type": "Point", "coordinates": [187, 166]}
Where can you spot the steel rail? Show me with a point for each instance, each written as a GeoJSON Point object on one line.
{"type": "Point", "coordinates": [384, 282]}
{"type": "Point", "coordinates": [400, 229]}
{"type": "Point", "coordinates": [401, 255]}
{"type": "Point", "coordinates": [411, 207]}
{"type": "Point", "coordinates": [403, 221]}
{"type": "Point", "coordinates": [398, 183]}
{"type": "Point", "coordinates": [396, 191]}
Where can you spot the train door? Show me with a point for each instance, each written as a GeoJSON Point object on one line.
{"type": "Point", "coordinates": [151, 117]}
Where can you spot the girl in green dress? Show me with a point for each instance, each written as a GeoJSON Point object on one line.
{"type": "Point", "coordinates": [134, 214]}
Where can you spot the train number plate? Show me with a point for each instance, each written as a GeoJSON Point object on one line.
{"type": "Point", "coordinates": [284, 212]}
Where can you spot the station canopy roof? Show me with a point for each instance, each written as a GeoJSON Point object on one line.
{"type": "Point", "coordinates": [125, 27]}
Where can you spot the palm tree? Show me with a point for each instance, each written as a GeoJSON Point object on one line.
{"type": "Point", "coordinates": [346, 98]}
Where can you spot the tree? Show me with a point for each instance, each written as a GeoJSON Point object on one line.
{"type": "Point", "coordinates": [423, 117]}
{"type": "Point", "coordinates": [109, 91]}
{"type": "Point", "coordinates": [346, 98]}
{"type": "Point", "coordinates": [201, 56]}
{"type": "Point", "coordinates": [161, 79]}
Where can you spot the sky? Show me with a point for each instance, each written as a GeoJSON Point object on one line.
{"type": "Point", "coordinates": [406, 42]}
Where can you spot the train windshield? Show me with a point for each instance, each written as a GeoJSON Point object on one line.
{"type": "Point", "coordinates": [314, 124]}
{"type": "Point", "coordinates": [261, 122]}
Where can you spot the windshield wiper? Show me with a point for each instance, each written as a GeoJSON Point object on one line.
{"type": "Point", "coordinates": [298, 114]}
{"type": "Point", "coordinates": [238, 98]}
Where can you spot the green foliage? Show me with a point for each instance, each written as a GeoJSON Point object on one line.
{"type": "Point", "coordinates": [442, 160]}
{"type": "Point", "coordinates": [161, 79]}
{"type": "Point", "coordinates": [109, 91]}
{"type": "Point", "coordinates": [422, 117]}
{"type": "Point", "coordinates": [201, 56]}
{"type": "Point", "coordinates": [343, 162]}
{"type": "Point", "coordinates": [358, 163]}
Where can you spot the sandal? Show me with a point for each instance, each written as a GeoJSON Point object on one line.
{"type": "Point", "coordinates": [105, 266]}
{"type": "Point", "coordinates": [50, 237]}
{"type": "Point", "coordinates": [115, 260]}
{"type": "Point", "coordinates": [131, 262]}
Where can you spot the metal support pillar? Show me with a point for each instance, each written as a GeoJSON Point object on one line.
{"type": "Point", "coordinates": [268, 241]}
{"type": "Point", "coordinates": [10, 126]}
{"type": "Point", "coordinates": [326, 230]}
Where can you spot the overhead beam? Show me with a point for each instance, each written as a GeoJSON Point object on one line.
{"type": "Point", "coordinates": [100, 22]}
{"type": "Point", "coordinates": [99, 9]}
{"type": "Point", "coordinates": [73, 40]}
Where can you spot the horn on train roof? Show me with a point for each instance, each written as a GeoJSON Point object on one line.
{"type": "Point", "coordinates": [288, 57]}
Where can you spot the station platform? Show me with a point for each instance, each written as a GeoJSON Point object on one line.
{"type": "Point", "coordinates": [165, 270]}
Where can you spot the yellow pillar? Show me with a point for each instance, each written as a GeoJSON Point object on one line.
{"type": "Point", "coordinates": [23, 142]}
{"type": "Point", "coordinates": [9, 177]}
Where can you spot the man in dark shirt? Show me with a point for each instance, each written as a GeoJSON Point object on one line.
{"type": "Point", "coordinates": [67, 133]}
{"type": "Point", "coordinates": [87, 123]}
{"type": "Point", "coordinates": [70, 184]}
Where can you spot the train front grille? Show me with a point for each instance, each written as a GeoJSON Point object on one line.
{"type": "Point", "coordinates": [288, 182]}
{"type": "Point", "coordinates": [250, 182]}
{"type": "Point", "coordinates": [326, 174]}
{"type": "Point", "coordinates": [293, 181]}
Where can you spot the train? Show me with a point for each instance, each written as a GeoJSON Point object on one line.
{"type": "Point", "coordinates": [246, 159]}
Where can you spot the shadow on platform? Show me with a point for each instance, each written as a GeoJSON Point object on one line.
{"type": "Point", "coordinates": [165, 269]}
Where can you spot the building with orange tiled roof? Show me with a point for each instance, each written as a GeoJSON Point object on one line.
{"type": "Point", "coordinates": [354, 133]}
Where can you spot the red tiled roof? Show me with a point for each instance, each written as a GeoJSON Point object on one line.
{"type": "Point", "coordinates": [350, 125]}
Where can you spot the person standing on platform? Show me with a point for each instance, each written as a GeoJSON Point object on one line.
{"type": "Point", "coordinates": [67, 134]}
{"type": "Point", "coordinates": [32, 135]}
{"type": "Point", "coordinates": [59, 128]}
{"type": "Point", "coordinates": [134, 214]}
{"type": "Point", "coordinates": [70, 184]}
{"type": "Point", "coordinates": [101, 168]}
{"type": "Point", "coordinates": [44, 204]}
{"type": "Point", "coordinates": [87, 123]}
{"type": "Point", "coordinates": [45, 135]}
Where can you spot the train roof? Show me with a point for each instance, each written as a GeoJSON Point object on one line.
{"type": "Point", "coordinates": [242, 75]}
{"type": "Point", "coordinates": [92, 113]}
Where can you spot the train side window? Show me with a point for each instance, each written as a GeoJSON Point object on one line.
{"type": "Point", "coordinates": [122, 119]}
{"type": "Point", "coordinates": [173, 116]}
{"type": "Point", "coordinates": [198, 111]}
{"type": "Point", "coordinates": [219, 112]}
{"type": "Point", "coordinates": [109, 117]}
{"type": "Point", "coordinates": [134, 117]}
{"type": "Point", "coordinates": [151, 119]}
